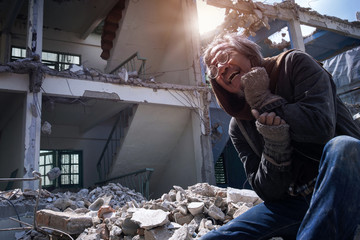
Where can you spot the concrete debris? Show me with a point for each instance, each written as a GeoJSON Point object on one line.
{"type": "Point", "coordinates": [69, 222]}
{"type": "Point", "coordinates": [113, 195]}
{"type": "Point", "coordinates": [76, 68]}
{"type": "Point", "coordinates": [115, 212]}
{"type": "Point", "coordinates": [123, 74]}
{"type": "Point", "coordinates": [242, 195]}
{"type": "Point", "coordinates": [46, 128]}
{"type": "Point", "coordinates": [148, 219]}
{"type": "Point", "coordinates": [54, 173]}
{"type": "Point", "coordinates": [24, 66]}
{"type": "Point", "coordinates": [180, 214]}
{"type": "Point", "coordinates": [196, 208]}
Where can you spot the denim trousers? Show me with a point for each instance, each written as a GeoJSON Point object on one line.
{"type": "Point", "coordinates": [332, 212]}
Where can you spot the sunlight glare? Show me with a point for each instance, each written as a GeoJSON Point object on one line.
{"type": "Point", "coordinates": [209, 17]}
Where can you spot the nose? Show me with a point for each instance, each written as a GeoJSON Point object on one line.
{"type": "Point", "coordinates": [222, 67]}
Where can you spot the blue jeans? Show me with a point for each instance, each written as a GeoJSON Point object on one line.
{"type": "Point", "coordinates": [333, 211]}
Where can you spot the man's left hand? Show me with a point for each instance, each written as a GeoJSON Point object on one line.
{"type": "Point", "coordinates": [270, 119]}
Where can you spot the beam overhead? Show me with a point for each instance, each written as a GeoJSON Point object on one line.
{"type": "Point", "coordinates": [289, 11]}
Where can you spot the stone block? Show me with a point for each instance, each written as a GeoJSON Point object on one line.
{"type": "Point", "coordinates": [158, 233]}
{"type": "Point", "coordinates": [195, 208]}
{"type": "Point", "coordinates": [216, 213]}
{"type": "Point", "coordinates": [68, 222]}
{"type": "Point", "coordinates": [242, 195]}
{"type": "Point", "coordinates": [149, 219]}
{"type": "Point", "coordinates": [182, 219]}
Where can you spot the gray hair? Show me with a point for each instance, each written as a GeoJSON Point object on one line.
{"type": "Point", "coordinates": [235, 42]}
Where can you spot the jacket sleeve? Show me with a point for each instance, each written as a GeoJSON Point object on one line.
{"type": "Point", "coordinates": [309, 106]}
{"type": "Point", "coordinates": [269, 181]}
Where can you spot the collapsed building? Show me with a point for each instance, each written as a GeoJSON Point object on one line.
{"type": "Point", "coordinates": [115, 91]}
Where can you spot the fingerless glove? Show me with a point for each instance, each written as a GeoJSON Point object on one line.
{"type": "Point", "coordinates": [277, 142]}
{"type": "Point", "coordinates": [256, 88]}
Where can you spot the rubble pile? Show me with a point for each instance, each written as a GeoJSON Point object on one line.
{"type": "Point", "coordinates": [177, 215]}
{"type": "Point", "coordinates": [117, 213]}
{"type": "Point", "coordinates": [114, 195]}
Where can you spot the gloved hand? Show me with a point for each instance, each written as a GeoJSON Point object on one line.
{"type": "Point", "coordinates": [256, 88]}
{"type": "Point", "coordinates": [277, 142]}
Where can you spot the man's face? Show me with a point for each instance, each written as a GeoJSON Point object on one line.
{"type": "Point", "coordinates": [230, 72]}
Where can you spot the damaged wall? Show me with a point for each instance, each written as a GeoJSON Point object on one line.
{"type": "Point", "coordinates": [156, 139]}
{"type": "Point", "coordinates": [160, 31]}
{"type": "Point", "coordinates": [66, 42]}
{"type": "Point", "coordinates": [180, 166]}
{"type": "Point", "coordinates": [91, 143]}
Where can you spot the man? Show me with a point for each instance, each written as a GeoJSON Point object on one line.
{"type": "Point", "coordinates": [296, 139]}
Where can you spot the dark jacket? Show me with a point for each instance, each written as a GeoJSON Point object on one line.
{"type": "Point", "coordinates": [315, 114]}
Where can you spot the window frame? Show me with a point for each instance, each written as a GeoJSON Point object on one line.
{"type": "Point", "coordinates": [58, 64]}
{"type": "Point", "coordinates": [60, 164]}
{"type": "Point", "coordinates": [57, 154]}
{"type": "Point", "coordinates": [44, 179]}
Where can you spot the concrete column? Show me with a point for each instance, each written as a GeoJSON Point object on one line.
{"type": "Point", "coordinates": [35, 28]}
{"type": "Point", "coordinates": [296, 38]}
{"type": "Point", "coordinates": [205, 170]}
{"type": "Point", "coordinates": [32, 137]}
{"type": "Point", "coordinates": [33, 97]}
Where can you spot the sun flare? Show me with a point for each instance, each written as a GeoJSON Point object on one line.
{"type": "Point", "coordinates": [209, 17]}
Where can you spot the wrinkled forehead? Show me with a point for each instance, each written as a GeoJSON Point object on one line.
{"type": "Point", "coordinates": [218, 48]}
{"type": "Point", "coordinates": [214, 52]}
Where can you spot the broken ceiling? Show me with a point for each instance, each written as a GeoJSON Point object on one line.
{"type": "Point", "coordinates": [259, 21]}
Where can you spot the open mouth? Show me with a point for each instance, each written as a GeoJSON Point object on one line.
{"type": "Point", "coordinates": [232, 76]}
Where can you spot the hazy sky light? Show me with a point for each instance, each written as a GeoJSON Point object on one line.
{"type": "Point", "coordinates": [210, 17]}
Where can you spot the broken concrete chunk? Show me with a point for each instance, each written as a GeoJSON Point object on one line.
{"type": "Point", "coordinates": [129, 227]}
{"type": "Point", "coordinates": [196, 208]}
{"type": "Point", "coordinates": [95, 206]}
{"type": "Point", "coordinates": [183, 209]}
{"type": "Point", "coordinates": [216, 213]}
{"type": "Point", "coordinates": [115, 233]}
{"type": "Point", "coordinates": [123, 74]}
{"type": "Point", "coordinates": [54, 173]}
{"type": "Point", "coordinates": [203, 189]}
{"type": "Point", "coordinates": [166, 197]}
{"type": "Point", "coordinates": [91, 236]}
{"type": "Point", "coordinates": [203, 227]}
{"type": "Point", "coordinates": [209, 225]}
{"type": "Point", "coordinates": [105, 212]}
{"type": "Point", "coordinates": [64, 203]}
{"type": "Point", "coordinates": [182, 219]}
{"type": "Point", "coordinates": [242, 195]}
{"type": "Point", "coordinates": [70, 222]}
{"type": "Point", "coordinates": [180, 196]}
{"type": "Point", "coordinates": [173, 225]}
{"type": "Point", "coordinates": [158, 233]}
{"type": "Point", "coordinates": [179, 189]}
{"type": "Point", "coordinates": [181, 234]}
{"type": "Point", "coordinates": [137, 237]}
{"type": "Point", "coordinates": [28, 193]}
{"type": "Point", "coordinates": [149, 219]}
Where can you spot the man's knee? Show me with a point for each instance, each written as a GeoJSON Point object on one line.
{"type": "Point", "coordinates": [342, 147]}
{"type": "Point", "coordinates": [342, 143]}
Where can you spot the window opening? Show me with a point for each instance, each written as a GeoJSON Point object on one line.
{"type": "Point", "coordinates": [46, 163]}
{"type": "Point", "coordinates": [55, 60]}
{"type": "Point", "coordinates": [70, 173]}
{"type": "Point", "coordinates": [70, 164]}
